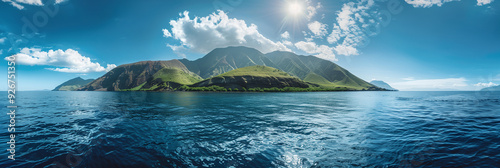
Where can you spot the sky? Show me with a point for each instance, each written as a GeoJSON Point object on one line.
{"type": "Point", "coordinates": [414, 45]}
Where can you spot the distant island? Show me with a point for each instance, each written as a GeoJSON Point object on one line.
{"type": "Point", "coordinates": [73, 84]}
{"type": "Point", "coordinates": [234, 69]}
{"type": "Point", "coordinates": [382, 84]}
{"type": "Point", "coordinates": [493, 88]}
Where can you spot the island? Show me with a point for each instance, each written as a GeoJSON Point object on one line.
{"type": "Point", "coordinates": [233, 69]}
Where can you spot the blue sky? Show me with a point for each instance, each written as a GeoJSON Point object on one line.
{"type": "Point", "coordinates": [412, 45]}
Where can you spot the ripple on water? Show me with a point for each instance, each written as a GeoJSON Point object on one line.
{"type": "Point", "coordinates": [331, 129]}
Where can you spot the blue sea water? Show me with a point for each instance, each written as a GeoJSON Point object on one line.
{"type": "Point", "coordinates": [320, 129]}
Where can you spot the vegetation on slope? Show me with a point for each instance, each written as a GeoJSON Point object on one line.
{"type": "Point", "coordinates": [128, 76]}
{"type": "Point", "coordinates": [167, 79]}
{"type": "Point", "coordinates": [232, 68]}
{"type": "Point", "coordinates": [315, 78]}
{"type": "Point", "coordinates": [176, 75]}
{"type": "Point", "coordinates": [256, 71]}
{"type": "Point", "coordinates": [304, 66]}
{"type": "Point", "coordinates": [253, 77]}
{"type": "Point", "coordinates": [222, 60]}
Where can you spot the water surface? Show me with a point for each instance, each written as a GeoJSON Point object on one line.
{"type": "Point", "coordinates": [321, 129]}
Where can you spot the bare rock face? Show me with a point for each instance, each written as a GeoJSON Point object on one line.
{"type": "Point", "coordinates": [130, 75]}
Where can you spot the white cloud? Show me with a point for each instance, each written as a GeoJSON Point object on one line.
{"type": "Point", "coordinates": [409, 78]}
{"type": "Point", "coordinates": [203, 34]}
{"type": "Point", "coordinates": [287, 43]}
{"type": "Point", "coordinates": [2, 40]}
{"type": "Point", "coordinates": [320, 51]}
{"type": "Point", "coordinates": [19, 4]}
{"type": "Point", "coordinates": [355, 23]}
{"type": "Point", "coordinates": [285, 35]}
{"type": "Point", "coordinates": [427, 3]}
{"type": "Point", "coordinates": [178, 49]}
{"type": "Point", "coordinates": [346, 50]}
{"type": "Point", "coordinates": [430, 3]}
{"type": "Point", "coordinates": [1, 51]}
{"type": "Point", "coordinates": [311, 9]}
{"type": "Point", "coordinates": [317, 28]}
{"type": "Point", "coordinates": [166, 33]}
{"type": "Point", "coordinates": [486, 84]}
{"type": "Point", "coordinates": [432, 84]}
{"type": "Point", "coordinates": [69, 61]}
{"type": "Point", "coordinates": [483, 2]}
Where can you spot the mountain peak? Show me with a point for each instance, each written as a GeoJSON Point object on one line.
{"type": "Point", "coordinates": [234, 48]}
{"type": "Point", "coordinates": [221, 60]}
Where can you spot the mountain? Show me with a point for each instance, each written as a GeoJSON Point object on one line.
{"type": "Point", "coordinates": [145, 75]}
{"type": "Point", "coordinates": [382, 84]}
{"type": "Point", "coordinates": [253, 77]}
{"type": "Point", "coordinates": [493, 88]}
{"type": "Point", "coordinates": [72, 84]}
{"type": "Point", "coordinates": [317, 70]}
{"type": "Point", "coordinates": [231, 67]}
{"type": "Point", "coordinates": [222, 60]}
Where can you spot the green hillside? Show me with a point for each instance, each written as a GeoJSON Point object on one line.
{"type": "Point", "coordinates": [231, 68]}
{"type": "Point", "coordinates": [176, 75]}
{"type": "Point", "coordinates": [256, 71]}
{"type": "Point", "coordinates": [222, 60]}
{"type": "Point", "coordinates": [315, 78]}
{"type": "Point", "coordinates": [167, 79]}
{"type": "Point", "coordinates": [253, 77]}
{"type": "Point", "coordinates": [305, 66]}
{"type": "Point", "coordinates": [129, 76]}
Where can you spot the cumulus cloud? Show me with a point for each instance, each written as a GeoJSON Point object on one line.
{"type": "Point", "coordinates": [203, 34]}
{"type": "Point", "coordinates": [432, 84]}
{"type": "Point", "coordinates": [66, 61]}
{"type": "Point", "coordinates": [1, 51]}
{"type": "Point", "coordinates": [19, 4]}
{"type": "Point", "coordinates": [486, 84]}
{"type": "Point", "coordinates": [320, 51]}
{"type": "Point", "coordinates": [483, 2]}
{"type": "Point", "coordinates": [317, 28]}
{"type": "Point", "coordinates": [285, 35]}
{"type": "Point", "coordinates": [2, 40]}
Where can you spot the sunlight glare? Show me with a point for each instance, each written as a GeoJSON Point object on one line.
{"type": "Point", "coordinates": [294, 8]}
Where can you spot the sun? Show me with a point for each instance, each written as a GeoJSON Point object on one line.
{"type": "Point", "coordinates": [294, 9]}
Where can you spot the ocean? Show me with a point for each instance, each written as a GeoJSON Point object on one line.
{"type": "Point", "coordinates": [309, 129]}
